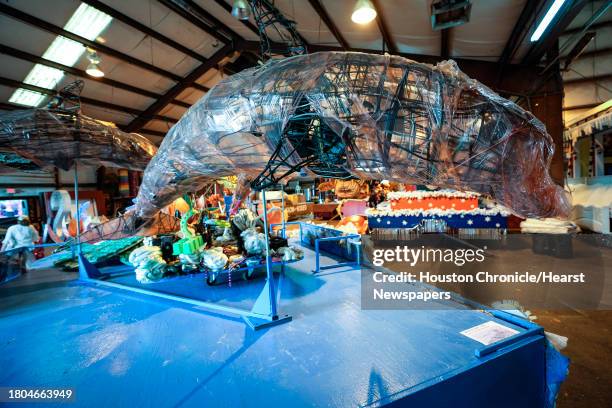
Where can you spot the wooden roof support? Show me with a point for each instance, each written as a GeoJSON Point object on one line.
{"type": "Point", "coordinates": [90, 101]}
{"type": "Point", "coordinates": [320, 9]}
{"type": "Point", "coordinates": [384, 29]}
{"type": "Point", "coordinates": [143, 28]}
{"type": "Point", "coordinates": [158, 105]}
{"type": "Point", "coordinates": [82, 74]}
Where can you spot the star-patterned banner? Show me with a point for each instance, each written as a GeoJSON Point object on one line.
{"type": "Point", "coordinates": [452, 220]}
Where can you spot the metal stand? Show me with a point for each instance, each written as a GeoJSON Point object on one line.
{"type": "Point", "coordinates": [348, 238]}
{"type": "Point", "coordinates": [356, 238]}
{"type": "Point", "coordinates": [76, 250]}
{"type": "Point", "coordinates": [266, 305]}
{"type": "Point", "coordinates": [264, 312]}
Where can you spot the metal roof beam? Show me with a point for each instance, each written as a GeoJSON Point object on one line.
{"type": "Point", "coordinates": [445, 43]}
{"type": "Point", "coordinates": [4, 49]}
{"type": "Point", "coordinates": [158, 105]}
{"type": "Point", "coordinates": [586, 80]}
{"type": "Point", "coordinates": [565, 16]}
{"type": "Point", "coordinates": [246, 23]}
{"type": "Point", "coordinates": [90, 101]}
{"type": "Point", "coordinates": [596, 26]}
{"type": "Point", "coordinates": [384, 29]}
{"type": "Point", "coordinates": [594, 53]}
{"type": "Point", "coordinates": [46, 26]}
{"type": "Point", "coordinates": [585, 106]}
{"type": "Point", "coordinates": [517, 34]}
{"type": "Point", "coordinates": [143, 28]}
{"type": "Point", "coordinates": [320, 9]}
{"type": "Point", "coordinates": [53, 29]}
{"type": "Point", "coordinates": [202, 19]}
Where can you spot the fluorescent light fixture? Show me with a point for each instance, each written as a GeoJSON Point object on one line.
{"type": "Point", "coordinates": [87, 22]}
{"type": "Point", "coordinates": [548, 17]}
{"type": "Point", "coordinates": [363, 12]}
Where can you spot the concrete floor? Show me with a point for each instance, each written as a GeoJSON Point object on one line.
{"type": "Point", "coordinates": [121, 349]}
{"type": "Point", "coordinates": [589, 383]}
{"type": "Point", "coordinates": [589, 347]}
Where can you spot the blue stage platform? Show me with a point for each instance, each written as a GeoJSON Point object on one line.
{"type": "Point", "coordinates": [121, 349]}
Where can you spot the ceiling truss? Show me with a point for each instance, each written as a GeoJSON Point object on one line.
{"type": "Point", "coordinates": [231, 42]}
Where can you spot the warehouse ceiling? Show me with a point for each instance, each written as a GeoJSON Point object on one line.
{"type": "Point", "coordinates": [160, 56]}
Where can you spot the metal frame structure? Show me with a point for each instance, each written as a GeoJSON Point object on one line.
{"type": "Point", "coordinates": [357, 262]}
{"type": "Point", "coordinates": [263, 314]}
{"type": "Point", "coordinates": [199, 17]}
{"type": "Point", "coordinates": [317, 241]}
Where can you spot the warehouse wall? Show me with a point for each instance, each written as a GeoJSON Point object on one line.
{"type": "Point", "coordinates": [28, 183]}
{"type": "Point", "coordinates": [589, 65]}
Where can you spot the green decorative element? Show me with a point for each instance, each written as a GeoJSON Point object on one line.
{"type": "Point", "coordinates": [190, 243]}
{"type": "Point", "coordinates": [99, 252]}
{"type": "Point", "coordinates": [14, 160]}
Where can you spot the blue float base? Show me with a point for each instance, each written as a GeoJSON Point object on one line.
{"type": "Point", "coordinates": [118, 348]}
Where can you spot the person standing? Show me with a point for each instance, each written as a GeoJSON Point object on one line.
{"type": "Point", "coordinates": [21, 235]}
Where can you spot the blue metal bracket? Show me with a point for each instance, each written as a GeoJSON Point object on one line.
{"type": "Point", "coordinates": [87, 270]}
{"type": "Point", "coordinates": [257, 323]}
{"type": "Point", "coordinates": [354, 239]}
{"type": "Point", "coordinates": [263, 314]}
{"type": "Point", "coordinates": [348, 238]}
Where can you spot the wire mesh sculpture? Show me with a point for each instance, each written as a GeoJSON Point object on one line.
{"type": "Point", "coordinates": [57, 137]}
{"type": "Point", "coordinates": [277, 34]}
{"type": "Point", "coordinates": [359, 115]}
{"type": "Point", "coordinates": [343, 115]}
{"type": "Point", "coordinates": [60, 134]}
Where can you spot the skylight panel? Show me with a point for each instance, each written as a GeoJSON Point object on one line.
{"type": "Point", "coordinates": [86, 21]}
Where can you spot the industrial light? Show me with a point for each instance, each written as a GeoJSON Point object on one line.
{"type": "Point", "coordinates": [240, 10]}
{"type": "Point", "coordinates": [548, 17]}
{"type": "Point", "coordinates": [363, 12]}
{"type": "Point", "coordinates": [93, 69]}
{"type": "Point", "coordinates": [449, 13]}
{"type": "Point", "coordinates": [87, 22]}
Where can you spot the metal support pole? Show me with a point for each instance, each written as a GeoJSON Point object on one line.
{"type": "Point", "coordinates": [317, 268]}
{"type": "Point", "coordinates": [269, 274]}
{"type": "Point", "coordinates": [78, 211]}
{"type": "Point", "coordinates": [283, 211]}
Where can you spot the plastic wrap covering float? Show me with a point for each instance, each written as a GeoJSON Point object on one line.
{"type": "Point", "coordinates": [214, 259]}
{"type": "Point", "coordinates": [343, 115]}
{"type": "Point", "coordinates": [254, 242]}
{"type": "Point", "coordinates": [290, 253]}
{"type": "Point", "coordinates": [360, 115]}
{"type": "Point", "coordinates": [149, 264]}
{"type": "Point", "coordinates": [58, 138]}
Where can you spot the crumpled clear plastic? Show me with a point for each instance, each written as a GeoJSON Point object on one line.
{"type": "Point", "coordinates": [56, 138]}
{"type": "Point", "coordinates": [389, 118]}
{"type": "Point", "coordinates": [254, 241]}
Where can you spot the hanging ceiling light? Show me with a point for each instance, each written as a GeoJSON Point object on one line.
{"type": "Point", "coordinates": [87, 22]}
{"type": "Point", "coordinates": [93, 69]}
{"type": "Point", "coordinates": [363, 12]}
{"type": "Point", "coordinates": [240, 10]}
